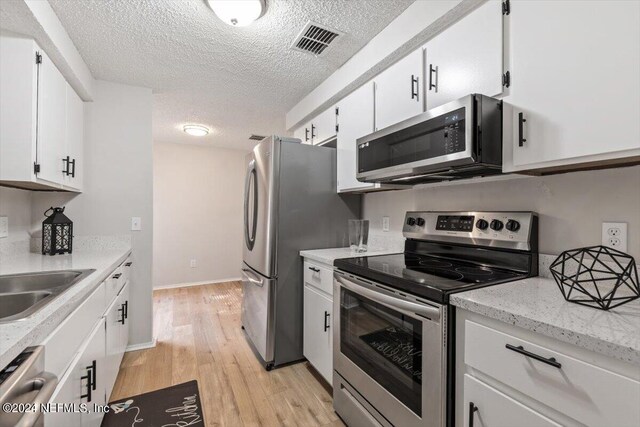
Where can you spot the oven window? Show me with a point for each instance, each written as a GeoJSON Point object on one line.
{"type": "Point", "coordinates": [385, 344]}
{"type": "Point", "coordinates": [435, 137]}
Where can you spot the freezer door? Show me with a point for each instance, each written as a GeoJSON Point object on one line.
{"type": "Point", "coordinates": [258, 311]}
{"type": "Point", "coordinates": [260, 207]}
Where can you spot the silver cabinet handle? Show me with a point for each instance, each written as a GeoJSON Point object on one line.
{"type": "Point", "coordinates": [390, 301]}
{"type": "Point", "coordinates": [251, 277]}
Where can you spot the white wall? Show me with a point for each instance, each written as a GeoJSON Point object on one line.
{"type": "Point", "coordinates": [198, 200]}
{"type": "Point", "coordinates": [571, 206]}
{"type": "Point", "coordinates": [118, 184]}
{"type": "Point", "coordinates": [16, 204]}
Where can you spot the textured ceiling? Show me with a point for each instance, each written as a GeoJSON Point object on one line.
{"type": "Point", "coordinates": [237, 81]}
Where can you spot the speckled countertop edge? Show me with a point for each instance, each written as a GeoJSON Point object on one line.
{"type": "Point", "coordinates": [327, 256]}
{"type": "Point", "coordinates": [536, 304]}
{"type": "Point", "coordinates": [16, 336]}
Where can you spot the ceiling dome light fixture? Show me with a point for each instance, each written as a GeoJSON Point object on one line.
{"type": "Point", "coordinates": [196, 130]}
{"type": "Point", "coordinates": [238, 13]}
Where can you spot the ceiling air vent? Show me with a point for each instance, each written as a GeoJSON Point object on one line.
{"type": "Point", "coordinates": [257, 137]}
{"type": "Point", "coordinates": [314, 38]}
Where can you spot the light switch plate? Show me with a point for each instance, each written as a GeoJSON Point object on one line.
{"type": "Point", "coordinates": [136, 223]}
{"type": "Point", "coordinates": [4, 226]}
{"type": "Point", "coordinates": [385, 223]}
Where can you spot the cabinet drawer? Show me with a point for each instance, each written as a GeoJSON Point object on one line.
{"type": "Point", "coordinates": [319, 277]}
{"type": "Point", "coordinates": [580, 390]}
{"type": "Point", "coordinates": [114, 283]}
{"type": "Point", "coordinates": [67, 338]}
{"type": "Point", "coordinates": [491, 408]}
{"type": "Point", "coordinates": [126, 270]}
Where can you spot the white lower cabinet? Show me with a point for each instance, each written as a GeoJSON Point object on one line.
{"type": "Point", "coordinates": [318, 345]}
{"type": "Point", "coordinates": [83, 383]}
{"type": "Point", "coordinates": [117, 336]}
{"type": "Point", "coordinates": [94, 338]}
{"type": "Point", "coordinates": [318, 318]}
{"type": "Point", "coordinates": [490, 408]}
{"type": "Point", "coordinates": [516, 377]}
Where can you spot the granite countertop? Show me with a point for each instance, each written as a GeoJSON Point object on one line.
{"type": "Point", "coordinates": [18, 335]}
{"type": "Point", "coordinates": [537, 304]}
{"type": "Point", "coordinates": [327, 256]}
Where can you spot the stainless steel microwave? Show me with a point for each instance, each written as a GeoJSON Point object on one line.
{"type": "Point", "coordinates": [460, 139]}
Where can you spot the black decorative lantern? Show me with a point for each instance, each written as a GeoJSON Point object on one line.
{"type": "Point", "coordinates": [57, 232]}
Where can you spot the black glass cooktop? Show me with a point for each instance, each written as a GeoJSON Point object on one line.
{"type": "Point", "coordinates": [432, 277]}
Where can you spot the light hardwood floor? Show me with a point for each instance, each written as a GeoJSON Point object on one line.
{"type": "Point", "coordinates": [199, 337]}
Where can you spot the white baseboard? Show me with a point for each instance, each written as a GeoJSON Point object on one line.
{"type": "Point", "coordinates": [204, 282]}
{"type": "Point", "coordinates": [142, 346]}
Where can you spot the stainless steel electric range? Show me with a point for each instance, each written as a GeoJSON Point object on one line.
{"type": "Point", "coordinates": [393, 329]}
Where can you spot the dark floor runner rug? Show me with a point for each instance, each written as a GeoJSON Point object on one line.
{"type": "Point", "coordinates": [177, 405]}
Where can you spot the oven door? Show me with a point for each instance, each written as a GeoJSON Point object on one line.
{"type": "Point", "coordinates": [389, 349]}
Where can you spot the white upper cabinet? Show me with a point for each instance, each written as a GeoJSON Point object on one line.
{"type": "Point", "coordinates": [323, 126]}
{"type": "Point", "coordinates": [399, 92]}
{"type": "Point", "coordinates": [74, 137]}
{"type": "Point", "coordinates": [41, 122]}
{"type": "Point", "coordinates": [466, 57]}
{"type": "Point", "coordinates": [355, 120]}
{"type": "Point", "coordinates": [52, 113]}
{"type": "Point", "coordinates": [575, 85]}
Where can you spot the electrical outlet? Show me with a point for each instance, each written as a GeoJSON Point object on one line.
{"type": "Point", "coordinates": [4, 226]}
{"type": "Point", "coordinates": [385, 223]}
{"type": "Point", "coordinates": [614, 235]}
{"type": "Point", "coordinates": [136, 223]}
{"type": "Point", "coordinates": [193, 263]}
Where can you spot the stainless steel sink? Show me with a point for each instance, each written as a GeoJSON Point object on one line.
{"type": "Point", "coordinates": [21, 295]}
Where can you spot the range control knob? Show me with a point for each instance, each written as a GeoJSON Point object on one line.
{"type": "Point", "coordinates": [496, 225]}
{"type": "Point", "coordinates": [482, 224]}
{"type": "Point", "coordinates": [420, 222]}
{"type": "Point", "coordinates": [411, 221]}
{"type": "Point", "coordinates": [512, 225]}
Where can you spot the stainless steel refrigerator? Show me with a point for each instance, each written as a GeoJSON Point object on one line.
{"type": "Point", "coordinates": [290, 204]}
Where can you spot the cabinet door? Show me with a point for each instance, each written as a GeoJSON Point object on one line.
{"type": "Point", "coordinates": [576, 87]}
{"type": "Point", "coordinates": [399, 91]}
{"type": "Point", "coordinates": [491, 408]}
{"type": "Point", "coordinates": [466, 57]}
{"type": "Point", "coordinates": [113, 351]}
{"type": "Point", "coordinates": [355, 120]}
{"type": "Point", "coordinates": [94, 356]}
{"type": "Point", "coordinates": [323, 127]}
{"type": "Point", "coordinates": [74, 385]}
{"type": "Point", "coordinates": [74, 138]}
{"type": "Point", "coordinates": [52, 121]}
{"type": "Point", "coordinates": [124, 330]}
{"type": "Point", "coordinates": [67, 392]}
{"type": "Point", "coordinates": [317, 340]}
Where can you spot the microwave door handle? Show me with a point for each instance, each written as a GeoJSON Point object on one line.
{"type": "Point", "coordinates": [392, 302]}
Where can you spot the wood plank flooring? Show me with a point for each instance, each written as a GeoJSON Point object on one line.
{"type": "Point", "coordinates": [199, 337]}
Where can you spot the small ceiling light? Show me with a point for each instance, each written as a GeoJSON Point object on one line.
{"type": "Point", "coordinates": [195, 130]}
{"type": "Point", "coordinates": [238, 13]}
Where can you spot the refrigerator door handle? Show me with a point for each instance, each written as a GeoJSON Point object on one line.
{"type": "Point", "coordinates": [251, 277]}
{"type": "Point", "coordinates": [252, 177]}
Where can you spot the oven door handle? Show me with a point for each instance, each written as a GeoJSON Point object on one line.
{"type": "Point", "coordinates": [362, 288]}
